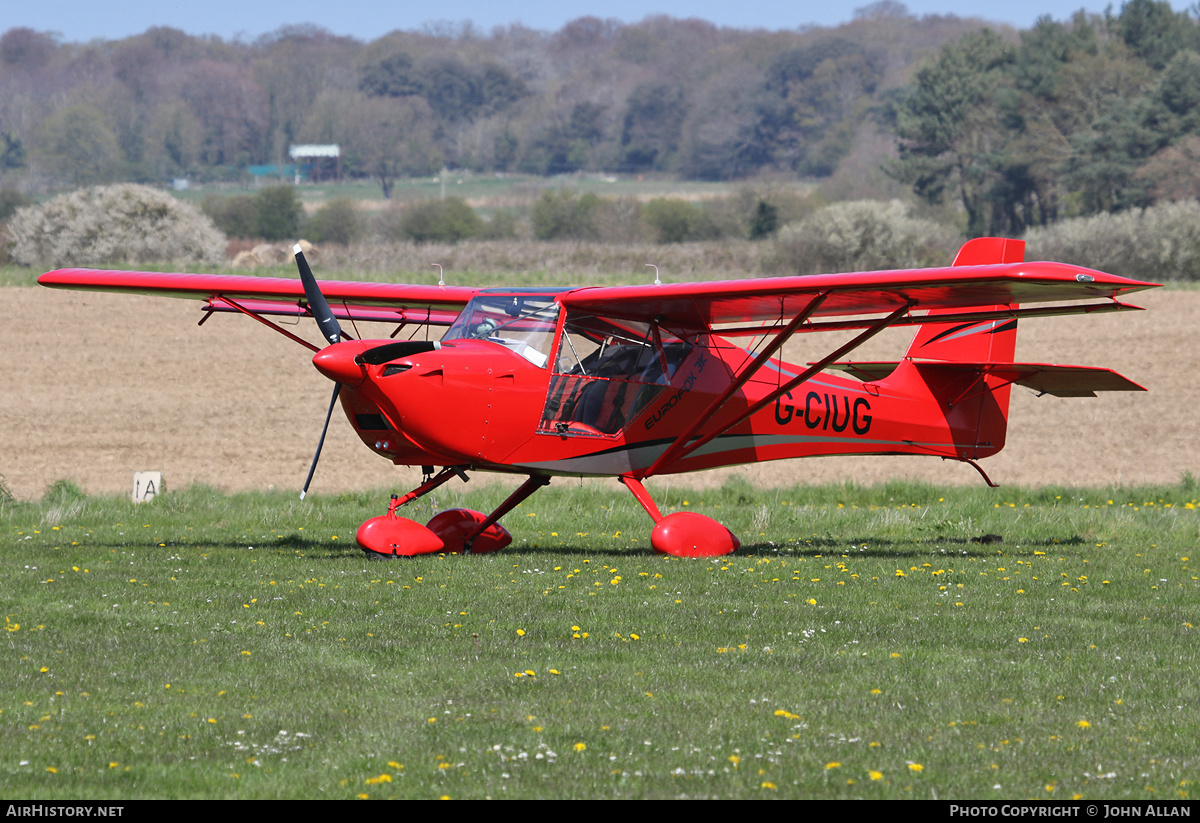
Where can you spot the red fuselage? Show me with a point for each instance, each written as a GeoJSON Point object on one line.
{"type": "Point", "coordinates": [476, 402]}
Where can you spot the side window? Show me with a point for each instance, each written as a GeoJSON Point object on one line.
{"type": "Point", "coordinates": [606, 372]}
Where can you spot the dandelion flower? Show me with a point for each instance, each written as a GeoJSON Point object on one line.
{"type": "Point", "coordinates": [579, 747]}
{"type": "Point", "coordinates": [1083, 724]}
{"type": "Point", "coordinates": [916, 767]}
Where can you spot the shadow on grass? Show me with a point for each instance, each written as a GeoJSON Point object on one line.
{"type": "Point", "coordinates": [873, 547]}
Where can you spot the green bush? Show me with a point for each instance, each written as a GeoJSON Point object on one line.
{"type": "Point", "coordinates": [446, 221]}
{"type": "Point", "coordinates": [862, 235]}
{"type": "Point", "coordinates": [277, 213]}
{"type": "Point", "coordinates": [676, 221]}
{"type": "Point", "coordinates": [765, 220]}
{"type": "Point", "coordinates": [502, 226]}
{"type": "Point", "coordinates": [338, 221]}
{"type": "Point", "coordinates": [1160, 242]}
{"type": "Point", "coordinates": [560, 215]}
{"type": "Point", "coordinates": [113, 224]}
{"type": "Point", "coordinates": [233, 215]}
{"type": "Point", "coordinates": [10, 200]}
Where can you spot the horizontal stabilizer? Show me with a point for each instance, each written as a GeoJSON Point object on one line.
{"type": "Point", "coordinates": [1044, 378]}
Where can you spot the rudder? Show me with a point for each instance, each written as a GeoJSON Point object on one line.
{"type": "Point", "coordinates": [976, 404]}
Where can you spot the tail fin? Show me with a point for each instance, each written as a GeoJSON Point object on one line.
{"type": "Point", "coordinates": [987, 341]}
{"type": "Point", "coordinates": [975, 403]}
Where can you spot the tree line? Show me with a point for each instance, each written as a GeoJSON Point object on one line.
{"type": "Point", "coordinates": [1001, 130]}
{"type": "Point", "coordinates": [1076, 118]}
{"type": "Point", "coordinates": [663, 96]}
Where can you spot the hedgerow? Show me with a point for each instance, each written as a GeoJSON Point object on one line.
{"type": "Point", "coordinates": [124, 223]}
{"type": "Point", "coordinates": [862, 235]}
{"type": "Point", "coordinates": [1159, 242]}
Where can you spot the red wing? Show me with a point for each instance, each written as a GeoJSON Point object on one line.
{"type": "Point", "coordinates": [767, 299]}
{"type": "Point", "coordinates": [272, 294]}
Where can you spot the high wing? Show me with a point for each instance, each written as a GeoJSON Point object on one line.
{"type": "Point", "coordinates": [704, 305]}
{"type": "Point", "coordinates": [973, 290]}
{"type": "Point", "coordinates": [384, 302]}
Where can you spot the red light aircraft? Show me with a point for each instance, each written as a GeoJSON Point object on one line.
{"type": "Point", "coordinates": [637, 381]}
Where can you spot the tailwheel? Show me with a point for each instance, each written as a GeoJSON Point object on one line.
{"type": "Point", "coordinates": [456, 526]}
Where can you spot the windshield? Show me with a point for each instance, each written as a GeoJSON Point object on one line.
{"type": "Point", "coordinates": [522, 323]}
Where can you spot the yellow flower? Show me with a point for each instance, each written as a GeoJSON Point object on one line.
{"type": "Point", "coordinates": [916, 767]}
{"type": "Point", "coordinates": [768, 785]}
{"type": "Point", "coordinates": [1083, 724]}
{"type": "Point", "coordinates": [520, 632]}
{"type": "Point", "coordinates": [874, 775]}
{"type": "Point", "coordinates": [580, 747]}
{"type": "Point", "coordinates": [833, 765]}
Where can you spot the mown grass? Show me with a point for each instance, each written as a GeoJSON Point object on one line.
{"type": "Point", "coordinates": [858, 646]}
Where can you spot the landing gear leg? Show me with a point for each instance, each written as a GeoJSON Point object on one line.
{"type": "Point", "coordinates": [683, 534]}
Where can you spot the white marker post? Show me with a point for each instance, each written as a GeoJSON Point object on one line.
{"type": "Point", "coordinates": [146, 486]}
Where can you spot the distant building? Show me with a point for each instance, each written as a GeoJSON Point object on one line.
{"type": "Point", "coordinates": [312, 159]}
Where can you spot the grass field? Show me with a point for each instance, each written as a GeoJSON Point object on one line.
{"type": "Point", "coordinates": [858, 646]}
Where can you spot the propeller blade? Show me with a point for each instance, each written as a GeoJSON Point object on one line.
{"type": "Point", "coordinates": [391, 351]}
{"type": "Point", "coordinates": [337, 387]}
{"type": "Point", "coordinates": [326, 322]}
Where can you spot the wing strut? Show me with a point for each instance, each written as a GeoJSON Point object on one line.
{"type": "Point", "coordinates": [680, 448]}
{"type": "Point", "coordinates": [676, 448]}
{"type": "Point", "coordinates": [264, 321]}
